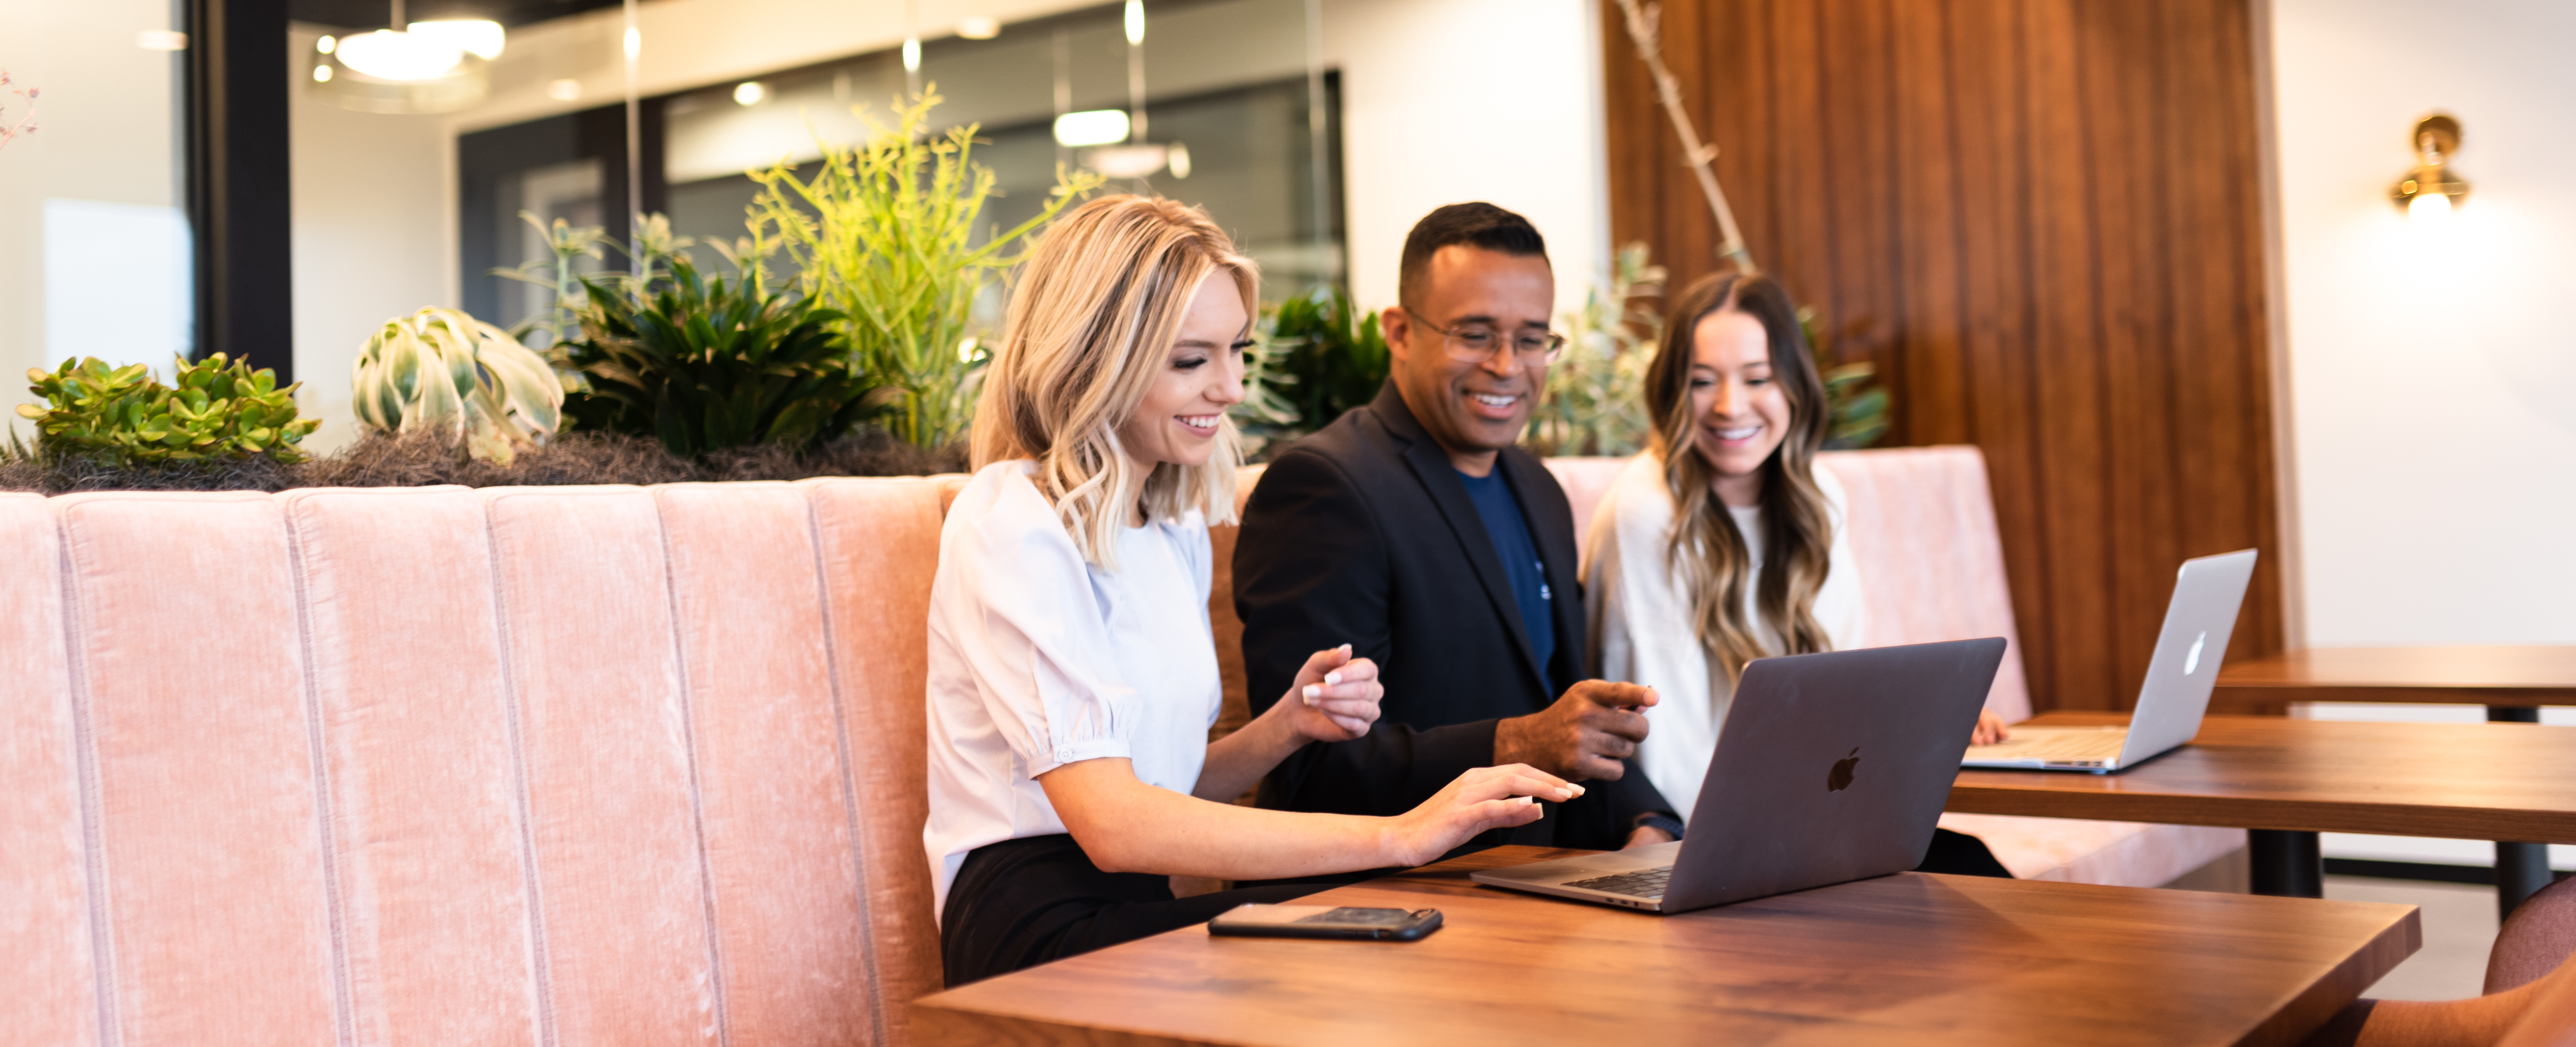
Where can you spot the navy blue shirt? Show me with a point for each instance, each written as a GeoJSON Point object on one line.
{"type": "Point", "coordinates": [1503, 520]}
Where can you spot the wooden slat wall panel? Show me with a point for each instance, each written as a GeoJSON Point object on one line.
{"type": "Point", "coordinates": [2040, 218]}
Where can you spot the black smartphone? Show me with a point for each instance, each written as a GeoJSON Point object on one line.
{"type": "Point", "coordinates": [1324, 921]}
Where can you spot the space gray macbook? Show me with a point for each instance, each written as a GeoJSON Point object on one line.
{"type": "Point", "coordinates": [2198, 621]}
{"type": "Point", "coordinates": [1831, 767]}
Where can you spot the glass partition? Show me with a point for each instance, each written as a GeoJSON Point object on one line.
{"type": "Point", "coordinates": [95, 251]}
{"type": "Point", "coordinates": [1226, 97]}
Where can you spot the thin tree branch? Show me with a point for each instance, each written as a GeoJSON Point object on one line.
{"type": "Point", "coordinates": [1642, 21]}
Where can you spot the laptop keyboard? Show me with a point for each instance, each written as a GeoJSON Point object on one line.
{"type": "Point", "coordinates": [1644, 883]}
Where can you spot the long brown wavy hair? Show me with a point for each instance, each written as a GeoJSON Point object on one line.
{"type": "Point", "coordinates": [1706, 547]}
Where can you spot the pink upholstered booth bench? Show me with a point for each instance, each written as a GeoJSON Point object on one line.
{"type": "Point", "coordinates": [569, 766]}
{"type": "Point", "coordinates": [562, 766]}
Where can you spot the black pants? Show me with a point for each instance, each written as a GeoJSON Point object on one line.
{"type": "Point", "coordinates": [1020, 903]}
{"type": "Point", "coordinates": [1960, 854]}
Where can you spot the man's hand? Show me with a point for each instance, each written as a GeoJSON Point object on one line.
{"type": "Point", "coordinates": [1646, 836]}
{"type": "Point", "coordinates": [1583, 736]}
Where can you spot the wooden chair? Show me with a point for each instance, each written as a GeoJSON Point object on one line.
{"type": "Point", "coordinates": [2530, 996]}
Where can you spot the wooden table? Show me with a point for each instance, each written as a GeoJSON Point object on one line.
{"type": "Point", "coordinates": [2510, 681]}
{"type": "Point", "coordinates": [2498, 677]}
{"type": "Point", "coordinates": [1905, 959]}
{"type": "Point", "coordinates": [2291, 779]}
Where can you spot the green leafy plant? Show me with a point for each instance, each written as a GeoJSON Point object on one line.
{"type": "Point", "coordinates": [566, 245]}
{"type": "Point", "coordinates": [1329, 353]}
{"type": "Point", "coordinates": [1857, 405]}
{"type": "Point", "coordinates": [440, 371]}
{"type": "Point", "coordinates": [1595, 402]}
{"type": "Point", "coordinates": [703, 364]}
{"type": "Point", "coordinates": [214, 408]}
{"type": "Point", "coordinates": [882, 236]}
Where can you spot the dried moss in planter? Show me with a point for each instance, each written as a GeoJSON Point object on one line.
{"type": "Point", "coordinates": [422, 459]}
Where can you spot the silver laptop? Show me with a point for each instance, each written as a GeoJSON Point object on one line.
{"type": "Point", "coordinates": [1831, 767]}
{"type": "Point", "coordinates": [2198, 622]}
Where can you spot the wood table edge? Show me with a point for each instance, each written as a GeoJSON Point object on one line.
{"type": "Point", "coordinates": [938, 1024]}
{"type": "Point", "coordinates": [2338, 988]}
{"type": "Point", "coordinates": [2234, 694]}
{"type": "Point", "coordinates": [2450, 823]}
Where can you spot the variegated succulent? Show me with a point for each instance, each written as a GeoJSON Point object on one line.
{"type": "Point", "coordinates": [440, 371]}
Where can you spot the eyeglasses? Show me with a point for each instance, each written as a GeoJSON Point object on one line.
{"type": "Point", "coordinates": [1476, 343]}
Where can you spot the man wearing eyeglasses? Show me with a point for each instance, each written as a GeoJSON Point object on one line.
{"type": "Point", "coordinates": [1414, 530]}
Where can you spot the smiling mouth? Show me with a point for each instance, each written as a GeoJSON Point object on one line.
{"type": "Point", "coordinates": [1737, 434]}
{"type": "Point", "coordinates": [1495, 405]}
{"type": "Point", "coordinates": [1204, 423]}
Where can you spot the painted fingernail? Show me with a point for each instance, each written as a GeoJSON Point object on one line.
{"type": "Point", "coordinates": [1332, 678]}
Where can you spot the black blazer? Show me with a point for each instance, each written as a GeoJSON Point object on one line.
{"type": "Point", "coordinates": [1363, 534]}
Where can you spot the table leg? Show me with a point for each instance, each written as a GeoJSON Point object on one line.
{"type": "Point", "coordinates": [2520, 868]}
{"type": "Point", "coordinates": [2286, 863]}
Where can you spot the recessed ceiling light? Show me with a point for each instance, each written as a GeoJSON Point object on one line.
{"type": "Point", "coordinates": [388, 55]}
{"type": "Point", "coordinates": [162, 40]}
{"type": "Point", "coordinates": [979, 27]}
{"type": "Point", "coordinates": [481, 36]}
{"type": "Point", "coordinates": [749, 92]}
{"type": "Point", "coordinates": [1091, 127]}
{"type": "Point", "coordinates": [564, 90]}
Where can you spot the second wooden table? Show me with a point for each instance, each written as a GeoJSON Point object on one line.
{"type": "Point", "coordinates": [2295, 778]}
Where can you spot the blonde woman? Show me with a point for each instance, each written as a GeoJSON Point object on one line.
{"type": "Point", "coordinates": [1073, 677]}
{"type": "Point", "coordinates": [1724, 543]}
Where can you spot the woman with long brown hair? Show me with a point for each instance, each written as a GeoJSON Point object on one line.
{"type": "Point", "coordinates": [1722, 543]}
{"type": "Point", "coordinates": [1073, 677]}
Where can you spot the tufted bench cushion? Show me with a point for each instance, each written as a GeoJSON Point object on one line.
{"type": "Point", "coordinates": [602, 765]}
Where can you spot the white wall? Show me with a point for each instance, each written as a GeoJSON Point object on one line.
{"type": "Point", "coordinates": [2432, 378]}
{"type": "Point", "coordinates": [374, 235]}
{"type": "Point", "coordinates": [1439, 98]}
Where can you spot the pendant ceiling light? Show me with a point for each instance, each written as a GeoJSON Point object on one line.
{"type": "Point", "coordinates": [1139, 157]}
{"type": "Point", "coordinates": [423, 67]}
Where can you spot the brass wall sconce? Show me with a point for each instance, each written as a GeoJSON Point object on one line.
{"type": "Point", "coordinates": [2430, 190]}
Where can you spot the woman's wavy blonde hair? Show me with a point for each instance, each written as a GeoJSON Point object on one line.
{"type": "Point", "coordinates": [1091, 323]}
{"type": "Point", "coordinates": [1707, 548]}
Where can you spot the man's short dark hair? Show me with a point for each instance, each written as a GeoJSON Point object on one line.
{"type": "Point", "coordinates": [1475, 225]}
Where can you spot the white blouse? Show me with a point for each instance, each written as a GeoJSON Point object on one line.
{"type": "Point", "coordinates": [1642, 629]}
{"type": "Point", "coordinates": [1039, 659]}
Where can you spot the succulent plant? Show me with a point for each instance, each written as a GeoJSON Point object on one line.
{"type": "Point", "coordinates": [217, 408]}
{"type": "Point", "coordinates": [441, 371]}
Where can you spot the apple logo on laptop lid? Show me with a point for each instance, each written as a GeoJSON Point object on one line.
{"type": "Point", "coordinates": [1840, 778]}
{"type": "Point", "coordinates": [2191, 660]}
